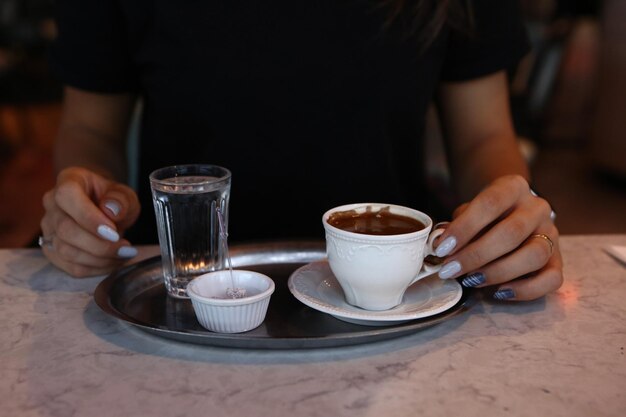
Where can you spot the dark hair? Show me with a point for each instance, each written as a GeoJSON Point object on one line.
{"type": "Point", "coordinates": [424, 19]}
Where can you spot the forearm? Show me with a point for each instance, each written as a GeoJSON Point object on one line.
{"type": "Point", "coordinates": [93, 132]}
{"type": "Point", "coordinates": [78, 146]}
{"type": "Point", "coordinates": [477, 166]}
{"type": "Point", "coordinates": [480, 140]}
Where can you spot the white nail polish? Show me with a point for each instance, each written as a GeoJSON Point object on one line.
{"type": "Point", "coordinates": [113, 207]}
{"type": "Point", "coordinates": [446, 246]}
{"type": "Point", "coordinates": [108, 233]}
{"type": "Point", "coordinates": [127, 252]}
{"type": "Point", "coordinates": [450, 270]}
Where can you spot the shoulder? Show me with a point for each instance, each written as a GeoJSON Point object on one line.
{"type": "Point", "coordinates": [492, 37]}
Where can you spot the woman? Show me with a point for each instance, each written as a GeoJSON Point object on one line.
{"type": "Point", "coordinates": [310, 105]}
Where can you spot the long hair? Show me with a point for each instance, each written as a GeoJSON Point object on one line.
{"type": "Point", "coordinates": [424, 19]}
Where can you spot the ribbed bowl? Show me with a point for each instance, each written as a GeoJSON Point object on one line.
{"type": "Point", "coordinates": [219, 313]}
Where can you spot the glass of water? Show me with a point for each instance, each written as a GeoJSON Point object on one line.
{"type": "Point", "coordinates": [185, 200]}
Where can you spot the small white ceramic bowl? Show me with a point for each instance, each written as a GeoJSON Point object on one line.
{"type": "Point", "coordinates": [218, 313]}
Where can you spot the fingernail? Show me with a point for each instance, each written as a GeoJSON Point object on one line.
{"type": "Point", "coordinates": [126, 252]}
{"type": "Point", "coordinates": [505, 294]}
{"type": "Point", "coordinates": [113, 207]}
{"type": "Point", "coordinates": [108, 233]}
{"type": "Point", "coordinates": [473, 280]}
{"type": "Point", "coordinates": [449, 270]}
{"type": "Point", "coordinates": [446, 246]}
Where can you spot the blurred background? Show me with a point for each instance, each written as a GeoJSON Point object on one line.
{"type": "Point", "coordinates": [568, 101]}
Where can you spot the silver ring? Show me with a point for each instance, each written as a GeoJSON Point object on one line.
{"type": "Point", "coordinates": [547, 239]}
{"type": "Point", "coordinates": [45, 241]}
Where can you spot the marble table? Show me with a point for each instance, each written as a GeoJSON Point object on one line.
{"type": "Point", "coordinates": [563, 355]}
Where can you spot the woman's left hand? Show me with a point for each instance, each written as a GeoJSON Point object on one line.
{"type": "Point", "coordinates": [505, 237]}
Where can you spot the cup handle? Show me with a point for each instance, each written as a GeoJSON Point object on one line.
{"type": "Point", "coordinates": [429, 269]}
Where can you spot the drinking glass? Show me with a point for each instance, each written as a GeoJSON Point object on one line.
{"type": "Point", "coordinates": [185, 200]}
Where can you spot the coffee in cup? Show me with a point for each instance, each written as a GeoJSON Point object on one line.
{"type": "Point", "coordinates": [375, 221]}
{"type": "Point", "coordinates": [376, 251]}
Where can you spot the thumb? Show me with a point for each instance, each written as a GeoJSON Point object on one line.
{"type": "Point", "coordinates": [120, 203]}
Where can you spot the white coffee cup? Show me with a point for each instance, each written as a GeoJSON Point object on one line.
{"type": "Point", "coordinates": [373, 270]}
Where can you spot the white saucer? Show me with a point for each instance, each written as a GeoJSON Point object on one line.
{"type": "Point", "coordinates": [315, 285]}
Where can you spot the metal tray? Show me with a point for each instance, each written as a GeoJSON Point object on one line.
{"type": "Point", "coordinates": [136, 295]}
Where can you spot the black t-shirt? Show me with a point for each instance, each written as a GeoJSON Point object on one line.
{"type": "Point", "coordinates": [309, 104]}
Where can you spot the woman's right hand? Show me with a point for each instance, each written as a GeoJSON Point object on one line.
{"type": "Point", "coordinates": [85, 218]}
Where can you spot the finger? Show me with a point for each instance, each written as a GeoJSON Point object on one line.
{"type": "Point", "coordinates": [74, 200]}
{"type": "Point", "coordinates": [79, 262]}
{"type": "Point", "coordinates": [58, 224]}
{"type": "Point", "coordinates": [69, 232]}
{"type": "Point", "coordinates": [445, 224]}
{"type": "Point", "coordinates": [120, 204]}
{"type": "Point", "coordinates": [533, 255]}
{"type": "Point", "coordinates": [46, 223]}
{"type": "Point", "coordinates": [548, 279]}
{"type": "Point", "coordinates": [459, 210]}
{"type": "Point", "coordinates": [81, 270]}
{"type": "Point", "coordinates": [76, 254]}
{"type": "Point", "coordinates": [488, 206]}
{"type": "Point", "coordinates": [504, 237]}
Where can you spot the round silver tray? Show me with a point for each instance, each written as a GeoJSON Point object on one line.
{"type": "Point", "coordinates": [136, 295]}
